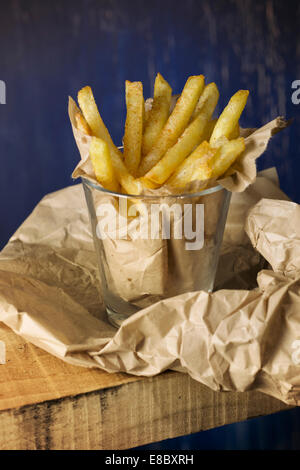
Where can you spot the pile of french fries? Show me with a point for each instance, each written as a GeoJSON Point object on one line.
{"type": "Point", "coordinates": [173, 142]}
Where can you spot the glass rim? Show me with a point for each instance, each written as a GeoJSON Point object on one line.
{"type": "Point", "coordinates": [205, 192]}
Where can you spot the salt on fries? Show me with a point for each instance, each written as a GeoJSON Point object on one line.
{"type": "Point", "coordinates": [134, 125]}
{"type": "Point", "coordinates": [176, 122]}
{"type": "Point", "coordinates": [230, 116]}
{"type": "Point", "coordinates": [168, 140]}
{"type": "Point", "coordinates": [158, 114]}
{"type": "Point", "coordinates": [92, 116]}
{"type": "Point", "coordinates": [189, 139]}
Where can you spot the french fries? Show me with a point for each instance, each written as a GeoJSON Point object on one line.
{"type": "Point", "coordinates": [207, 162]}
{"type": "Point", "coordinates": [174, 100]}
{"type": "Point", "coordinates": [191, 137]}
{"type": "Point", "coordinates": [176, 123]}
{"type": "Point", "coordinates": [227, 155]}
{"type": "Point", "coordinates": [168, 139]}
{"type": "Point", "coordinates": [158, 114]}
{"type": "Point", "coordinates": [134, 125]}
{"type": "Point", "coordinates": [235, 133]}
{"type": "Point", "coordinates": [126, 180]}
{"type": "Point", "coordinates": [209, 129]}
{"type": "Point", "coordinates": [230, 116]}
{"type": "Point", "coordinates": [102, 164]}
{"type": "Point", "coordinates": [210, 90]}
{"type": "Point", "coordinates": [92, 116]}
{"type": "Point", "coordinates": [197, 166]}
{"type": "Point", "coordinates": [148, 107]}
{"type": "Point", "coordinates": [147, 184]}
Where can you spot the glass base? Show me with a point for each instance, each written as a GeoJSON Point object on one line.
{"type": "Point", "coordinates": [114, 318]}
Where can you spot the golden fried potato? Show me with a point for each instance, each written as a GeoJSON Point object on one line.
{"type": "Point", "coordinates": [227, 155]}
{"type": "Point", "coordinates": [198, 166]}
{"type": "Point", "coordinates": [176, 123]}
{"type": "Point", "coordinates": [134, 125]}
{"type": "Point", "coordinates": [102, 164]}
{"type": "Point", "coordinates": [235, 133]}
{"type": "Point", "coordinates": [159, 113]}
{"type": "Point", "coordinates": [230, 116]}
{"type": "Point", "coordinates": [91, 114]}
{"type": "Point", "coordinates": [191, 137]}
{"type": "Point", "coordinates": [209, 129]}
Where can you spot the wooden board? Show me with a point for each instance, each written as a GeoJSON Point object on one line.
{"type": "Point", "coordinates": [48, 404]}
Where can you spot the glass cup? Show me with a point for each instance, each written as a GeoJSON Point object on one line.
{"type": "Point", "coordinates": [149, 248]}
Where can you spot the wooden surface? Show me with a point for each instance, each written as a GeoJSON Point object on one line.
{"type": "Point", "coordinates": [48, 404]}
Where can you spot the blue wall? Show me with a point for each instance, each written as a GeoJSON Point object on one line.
{"type": "Point", "coordinates": [280, 431]}
{"type": "Point", "coordinates": [50, 49]}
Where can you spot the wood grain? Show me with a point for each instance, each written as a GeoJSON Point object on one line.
{"type": "Point", "coordinates": [48, 404]}
{"type": "Point", "coordinates": [31, 375]}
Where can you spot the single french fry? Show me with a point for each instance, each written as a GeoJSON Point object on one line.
{"type": "Point", "coordinates": [191, 137]}
{"type": "Point", "coordinates": [92, 116]}
{"type": "Point", "coordinates": [130, 184]}
{"type": "Point", "coordinates": [158, 114]}
{"type": "Point", "coordinates": [174, 100]}
{"type": "Point", "coordinates": [148, 107]}
{"type": "Point", "coordinates": [235, 133]}
{"type": "Point", "coordinates": [209, 129]}
{"type": "Point", "coordinates": [220, 142]}
{"type": "Point", "coordinates": [82, 125]}
{"type": "Point", "coordinates": [102, 164]}
{"type": "Point", "coordinates": [147, 183]}
{"type": "Point", "coordinates": [202, 99]}
{"type": "Point", "coordinates": [198, 166]}
{"type": "Point", "coordinates": [230, 116]}
{"type": "Point", "coordinates": [175, 124]}
{"type": "Point", "coordinates": [134, 125]}
{"type": "Point", "coordinates": [208, 101]}
{"type": "Point", "coordinates": [223, 140]}
{"type": "Point", "coordinates": [149, 103]}
{"type": "Point", "coordinates": [226, 156]}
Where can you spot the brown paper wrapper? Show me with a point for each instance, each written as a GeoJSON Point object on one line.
{"type": "Point", "coordinates": [232, 339]}
{"type": "Point", "coordinates": [266, 236]}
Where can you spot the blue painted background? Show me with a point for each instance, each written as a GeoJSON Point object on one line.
{"type": "Point", "coordinates": [50, 49]}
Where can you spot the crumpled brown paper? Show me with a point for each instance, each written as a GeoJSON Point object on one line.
{"type": "Point", "coordinates": [229, 340]}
